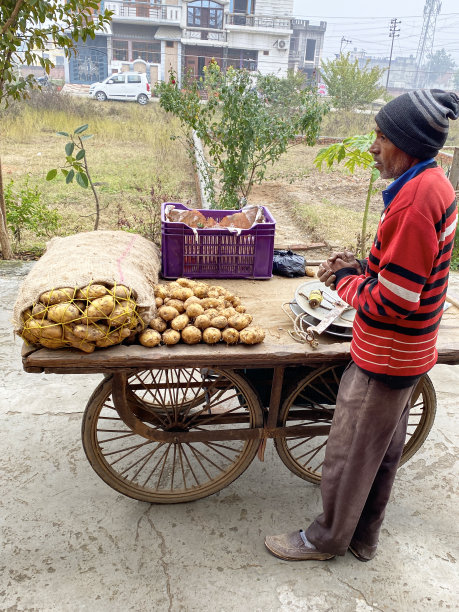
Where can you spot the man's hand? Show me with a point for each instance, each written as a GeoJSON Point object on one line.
{"type": "Point", "coordinates": [343, 259]}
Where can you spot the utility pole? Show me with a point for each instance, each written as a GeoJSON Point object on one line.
{"type": "Point", "coordinates": [343, 40]}
{"type": "Point", "coordinates": [392, 34]}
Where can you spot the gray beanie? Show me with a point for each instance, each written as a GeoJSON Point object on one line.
{"type": "Point", "coordinates": [417, 122]}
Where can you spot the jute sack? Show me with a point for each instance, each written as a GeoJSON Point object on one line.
{"type": "Point", "coordinates": [110, 257]}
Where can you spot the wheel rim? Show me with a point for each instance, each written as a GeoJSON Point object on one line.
{"type": "Point", "coordinates": [142, 99]}
{"type": "Point", "coordinates": [313, 401]}
{"type": "Point", "coordinates": [172, 400]}
{"type": "Point", "coordinates": [101, 96]}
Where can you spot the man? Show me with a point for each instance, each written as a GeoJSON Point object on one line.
{"type": "Point", "coordinates": [398, 293]}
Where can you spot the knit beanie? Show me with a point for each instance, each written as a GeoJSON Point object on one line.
{"type": "Point", "coordinates": [417, 122]}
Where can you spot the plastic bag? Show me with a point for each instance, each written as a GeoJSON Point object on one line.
{"type": "Point", "coordinates": [288, 263]}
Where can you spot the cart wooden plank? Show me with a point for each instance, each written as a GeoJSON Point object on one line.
{"type": "Point", "coordinates": [264, 300]}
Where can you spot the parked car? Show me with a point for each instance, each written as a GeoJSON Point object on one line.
{"type": "Point", "coordinates": [122, 86]}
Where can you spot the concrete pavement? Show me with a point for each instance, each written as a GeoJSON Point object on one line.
{"type": "Point", "coordinates": [70, 543]}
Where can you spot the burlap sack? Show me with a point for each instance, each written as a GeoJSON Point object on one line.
{"type": "Point", "coordinates": [94, 257]}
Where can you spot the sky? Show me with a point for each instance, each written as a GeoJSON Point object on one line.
{"type": "Point", "coordinates": [366, 23]}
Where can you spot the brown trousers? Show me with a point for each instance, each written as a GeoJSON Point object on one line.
{"type": "Point", "coordinates": [362, 454]}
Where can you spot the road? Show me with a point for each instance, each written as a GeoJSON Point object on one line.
{"type": "Point", "coordinates": [71, 543]}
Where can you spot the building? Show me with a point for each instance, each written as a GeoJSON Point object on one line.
{"type": "Point", "coordinates": [402, 73]}
{"type": "Point", "coordinates": [185, 35]}
{"type": "Point", "coordinates": [306, 44]}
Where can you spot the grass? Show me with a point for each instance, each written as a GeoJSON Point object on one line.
{"type": "Point", "coordinates": [131, 153]}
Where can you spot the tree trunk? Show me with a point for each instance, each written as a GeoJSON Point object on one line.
{"type": "Point", "coordinates": [5, 243]}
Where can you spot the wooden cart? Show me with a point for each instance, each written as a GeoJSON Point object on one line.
{"type": "Point", "coordinates": [175, 424]}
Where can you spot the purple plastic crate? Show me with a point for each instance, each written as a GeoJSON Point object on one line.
{"type": "Point", "coordinates": [216, 253]}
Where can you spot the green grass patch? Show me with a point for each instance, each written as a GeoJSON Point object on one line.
{"type": "Point", "coordinates": [131, 154]}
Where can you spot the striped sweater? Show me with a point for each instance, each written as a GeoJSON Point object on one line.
{"type": "Point", "coordinates": [399, 299]}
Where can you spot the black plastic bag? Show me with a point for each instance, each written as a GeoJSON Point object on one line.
{"type": "Point", "coordinates": [288, 263]}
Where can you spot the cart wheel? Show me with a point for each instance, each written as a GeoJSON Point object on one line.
{"type": "Point", "coordinates": [178, 400]}
{"type": "Point", "coordinates": [312, 402]}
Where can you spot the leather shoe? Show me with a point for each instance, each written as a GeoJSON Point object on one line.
{"type": "Point", "coordinates": [291, 547]}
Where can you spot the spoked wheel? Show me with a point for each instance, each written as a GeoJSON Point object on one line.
{"type": "Point", "coordinates": [159, 457]}
{"type": "Point", "coordinates": [312, 403]}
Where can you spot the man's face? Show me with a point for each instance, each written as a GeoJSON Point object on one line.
{"type": "Point", "coordinates": [390, 160]}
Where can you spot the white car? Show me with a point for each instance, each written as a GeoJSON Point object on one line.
{"type": "Point", "coordinates": [122, 86]}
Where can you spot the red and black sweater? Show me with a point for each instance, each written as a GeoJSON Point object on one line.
{"type": "Point", "coordinates": [400, 297]}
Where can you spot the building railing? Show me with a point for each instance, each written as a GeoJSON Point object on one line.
{"type": "Point", "coordinates": [258, 21]}
{"type": "Point", "coordinates": [204, 34]}
{"type": "Point", "coordinates": [144, 10]}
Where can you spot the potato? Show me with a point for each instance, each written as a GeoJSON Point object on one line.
{"type": "Point", "coordinates": [180, 322]}
{"type": "Point", "coordinates": [194, 310]}
{"type": "Point", "coordinates": [100, 308]}
{"type": "Point", "coordinates": [240, 308]}
{"type": "Point", "coordinates": [252, 335]}
{"type": "Point", "coordinates": [39, 311]}
{"type": "Point", "coordinates": [235, 300]}
{"type": "Point", "coordinates": [161, 291]}
{"type": "Point", "coordinates": [186, 282]}
{"type": "Point", "coordinates": [213, 293]}
{"type": "Point", "coordinates": [191, 335]}
{"type": "Point", "coordinates": [200, 290]}
{"type": "Point", "coordinates": [177, 304]}
{"type": "Point", "coordinates": [64, 312]}
{"type": "Point", "coordinates": [44, 329]}
{"type": "Point", "coordinates": [211, 313]}
{"type": "Point", "coordinates": [191, 300]}
{"type": "Point", "coordinates": [158, 324]}
{"type": "Point", "coordinates": [180, 293]}
{"type": "Point", "coordinates": [82, 345]}
{"type": "Point", "coordinates": [202, 321]}
{"type": "Point", "coordinates": [91, 292]}
{"type": "Point", "coordinates": [114, 337]}
{"type": "Point", "coordinates": [227, 312]}
{"type": "Point", "coordinates": [219, 322]}
{"type": "Point", "coordinates": [53, 343]}
{"type": "Point", "coordinates": [211, 335]}
{"type": "Point", "coordinates": [171, 336]}
{"type": "Point", "coordinates": [122, 313]}
{"type": "Point", "coordinates": [210, 302]}
{"type": "Point", "coordinates": [168, 313]}
{"type": "Point", "coordinates": [239, 321]}
{"type": "Point", "coordinates": [230, 335]}
{"type": "Point", "coordinates": [150, 337]}
{"type": "Point", "coordinates": [122, 292]}
{"type": "Point", "coordinates": [28, 337]}
{"type": "Point", "coordinates": [55, 296]}
{"type": "Point", "coordinates": [92, 332]}
{"type": "Point", "coordinates": [26, 314]}
{"type": "Point", "coordinates": [159, 302]}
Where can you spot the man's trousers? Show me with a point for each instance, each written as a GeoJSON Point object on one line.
{"type": "Point", "coordinates": [362, 455]}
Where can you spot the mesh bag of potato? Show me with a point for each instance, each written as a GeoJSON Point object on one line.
{"type": "Point", "coordinates": [194, 312]}
{"type": "Point", "coordinates": [89, 290]}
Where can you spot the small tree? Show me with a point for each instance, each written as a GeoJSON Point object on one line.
{"type": "Point", "coordinates": [349, 85]}
{"type": "Point", "coordinates": [246, 123]}
{"type": "Point", "coordinates": [76, 165]}
{"type": "Point", "coordinates": [439, 64]}
{"type": "Point", "coordinates": [354, 152]}
{"type": "Point", "coordinates": [26, 29]}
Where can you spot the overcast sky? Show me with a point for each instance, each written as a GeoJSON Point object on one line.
{"type": "Point", "coordinates": [366, 23]}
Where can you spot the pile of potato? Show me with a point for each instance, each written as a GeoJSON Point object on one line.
{"type": "Point", "coordinates": [193, 312]}
{"type": "Point", "coordinates": [85, 318]}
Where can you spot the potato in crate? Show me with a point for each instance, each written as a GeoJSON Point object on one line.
{"type": "Point", "coordinates": [217, 243]}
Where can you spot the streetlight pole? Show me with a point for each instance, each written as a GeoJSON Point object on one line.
{"type": "Point", "coordinates": [392, 34]}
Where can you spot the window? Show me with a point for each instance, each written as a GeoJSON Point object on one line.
{"type": "Point", "coordinates": [120, 50]}
{"type": "Point", "coordinates": [310, 49]}
{"type": "Point", "coordinates": [117, 79]}
{"type": "Point", "coordinates": [149, 52]}
{"type": "Point", "coordinates": [169, 43]}
{"type": "Point", "coordinates": [59, 60]}
{"type": "Point", "coordinates": [243, 58]}
{"type": "Point", "coordinates": [205, 14]}
{"type": "Point", "coordinates": [134, 78]}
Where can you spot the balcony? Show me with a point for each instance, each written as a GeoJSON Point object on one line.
{"type": "Point", "coordinates": [259, 22]}
{"type": "Point", "coordinates": [144, 11]}
{"type": "Point", "coordinates": [192, 35]}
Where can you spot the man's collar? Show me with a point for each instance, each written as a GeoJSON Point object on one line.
{"type": "Point", "coordinates": [389, 194]}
